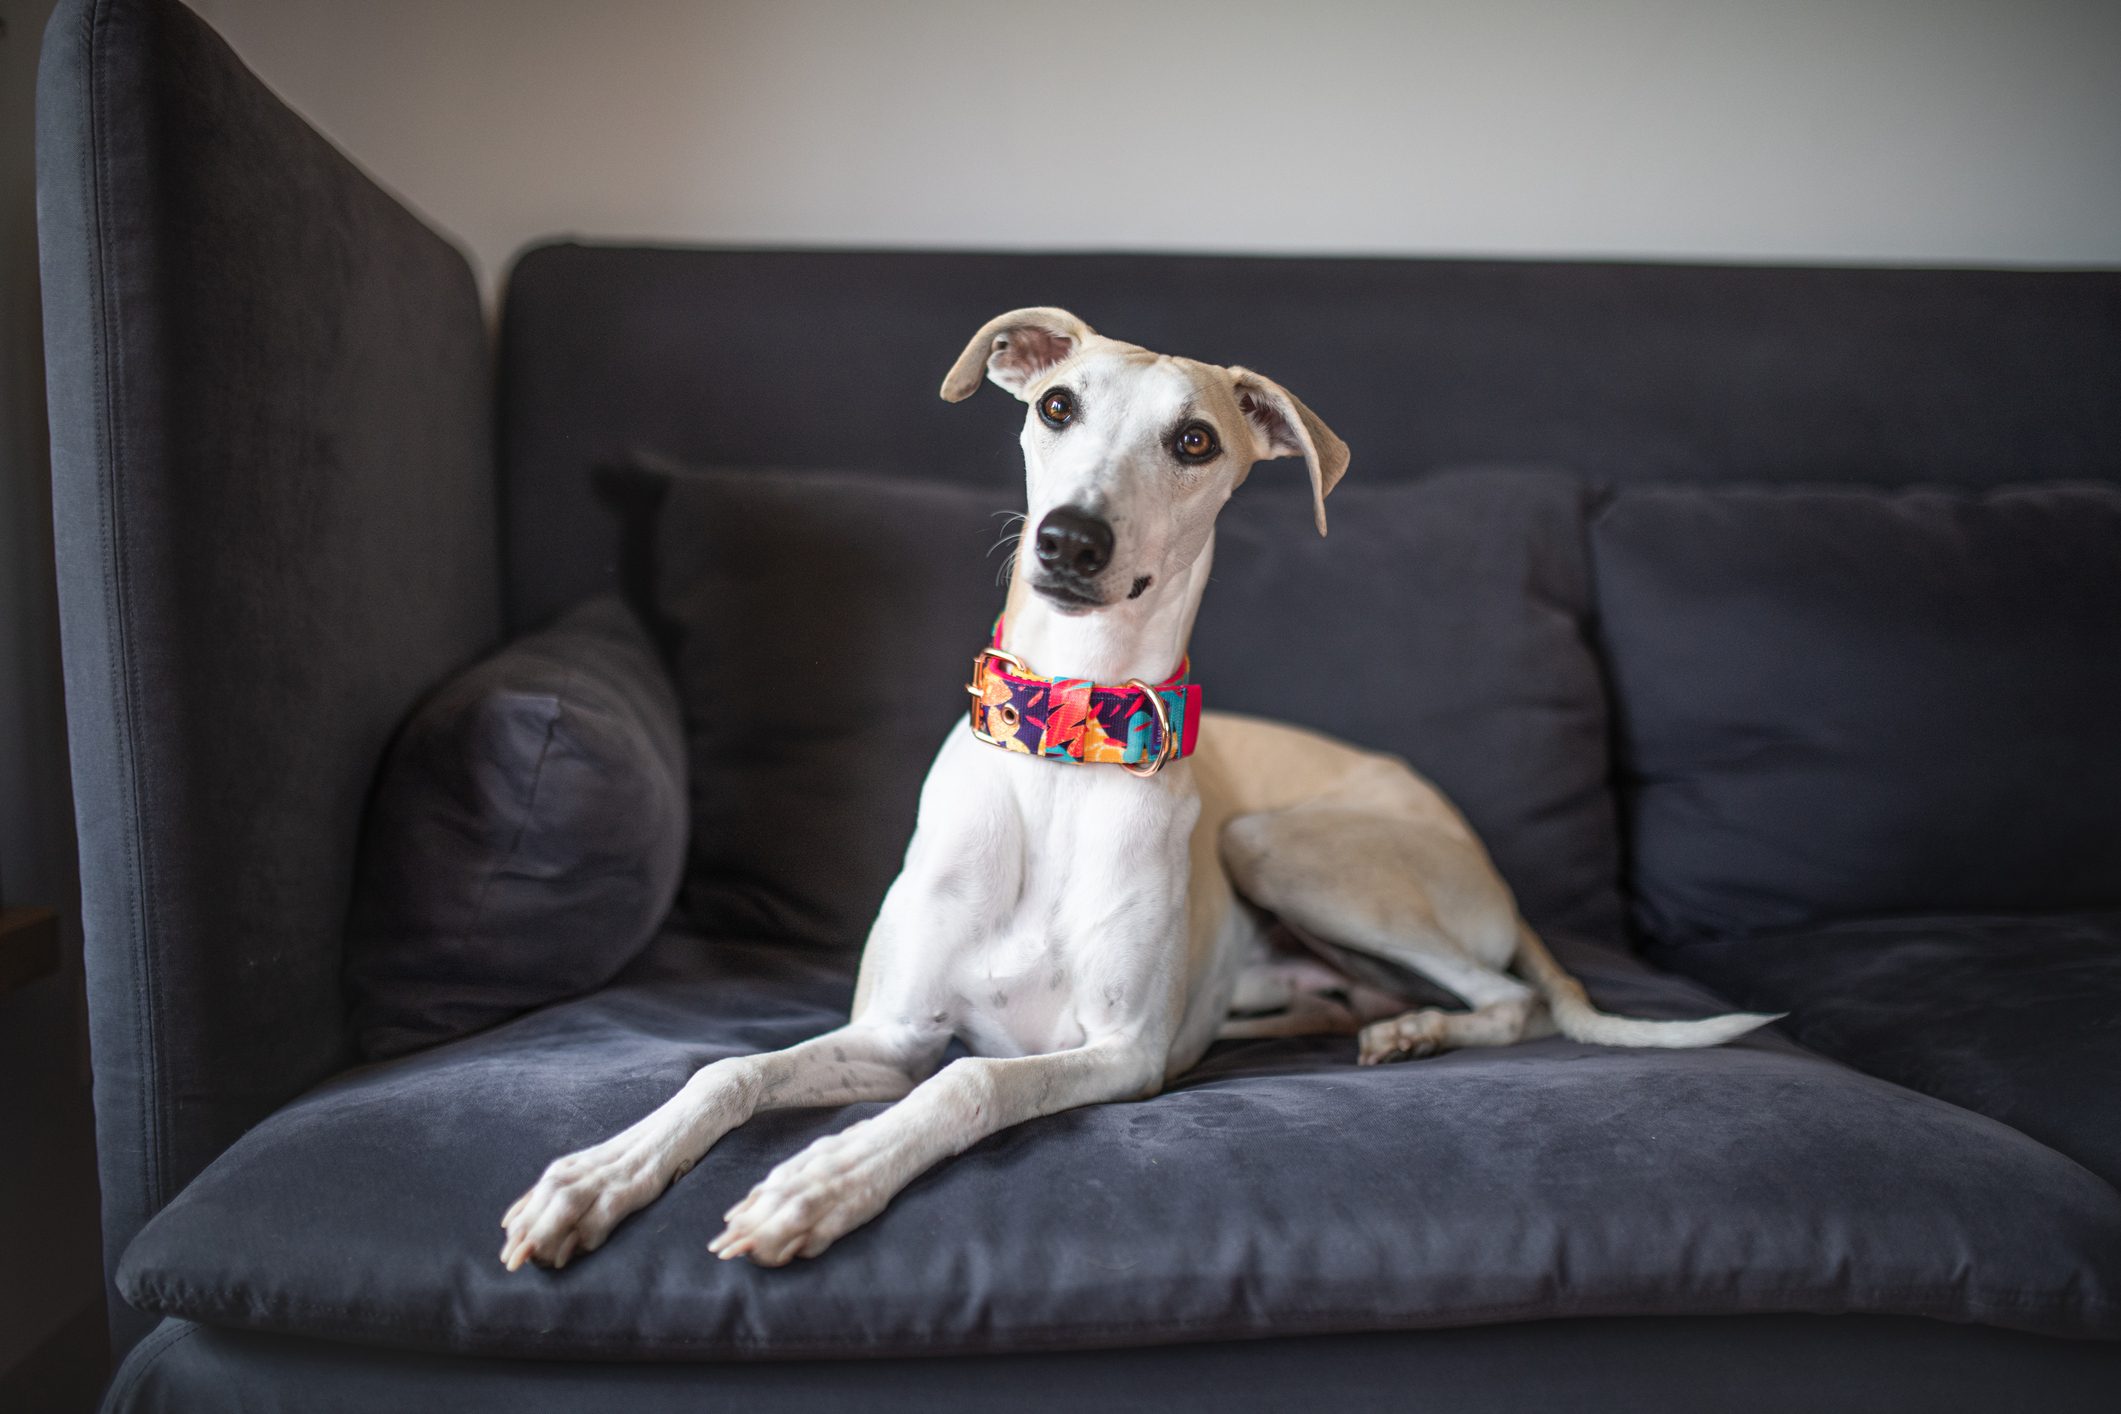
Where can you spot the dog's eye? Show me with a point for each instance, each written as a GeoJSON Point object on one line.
{"type": "Point", "coordinates": [1196, 442]}
{"type": "Point", "coordinates": [1057, 408]}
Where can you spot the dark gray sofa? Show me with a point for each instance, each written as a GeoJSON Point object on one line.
{"type": "Point", "coordinates": [294, 492]}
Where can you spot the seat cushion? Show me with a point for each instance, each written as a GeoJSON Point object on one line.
{"type": "Point", "coordinates": [526, 838]}
{"type": "Point", "coordinates": [821, 628]}
{"type": "Point", "coordinates": [1276, 1190]}
{"type": "Point", "coordinates": [2016, 1018]}
{"type": "Point", "coordinates": [1842, 703]}
{"type": "Point", "coordinates": [1746, 1365]}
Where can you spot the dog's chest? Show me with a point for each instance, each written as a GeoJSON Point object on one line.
{"type": "Point", "coordinates": [1097, 897]}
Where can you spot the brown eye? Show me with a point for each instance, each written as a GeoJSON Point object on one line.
{"type": "Point", "coordinates": [1196, 442]}
{"type": "Point", "coordinates": [1057, 407]}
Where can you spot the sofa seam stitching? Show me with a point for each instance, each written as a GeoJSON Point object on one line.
{"type": "Point", "coordinates": [351, 1318]}
{"type": "Point", "coordinates": [146, 1022]}
{"type": "Point", "coordinates": [120, 1392]}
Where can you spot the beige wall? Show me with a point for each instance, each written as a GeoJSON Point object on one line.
{"type": "Point", "coordinates": [1899, 130]}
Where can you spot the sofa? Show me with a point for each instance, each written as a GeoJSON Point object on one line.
{"type": "Point", "coordinates": [1761, 618]}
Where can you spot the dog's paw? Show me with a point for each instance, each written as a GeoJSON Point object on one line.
{"type": "Point", "coordinates": [1409, 1037]}
{"type": "Point", "coordinates": [575, 1204]}
{"type": "Point", "coordinates": [808, 1202]}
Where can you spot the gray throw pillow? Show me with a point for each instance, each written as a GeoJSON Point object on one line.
{"type": "Point", "coordinates": [526, 838]}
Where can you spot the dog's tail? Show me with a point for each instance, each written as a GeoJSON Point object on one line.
{"type": "Point", "coordinates": [1577, 1019]}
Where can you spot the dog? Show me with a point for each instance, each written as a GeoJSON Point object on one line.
{"type": "Point", "coordinates": [1088, 926]}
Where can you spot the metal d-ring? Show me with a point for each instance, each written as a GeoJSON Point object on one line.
{"type": "Point", "coordinates": [1165, 743]}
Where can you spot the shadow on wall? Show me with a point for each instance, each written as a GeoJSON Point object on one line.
{"type": "Point", "coordinates": [53, 1345]}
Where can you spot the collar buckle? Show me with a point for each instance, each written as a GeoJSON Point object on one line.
{"type": "Point", "coordinates": [978, 688]}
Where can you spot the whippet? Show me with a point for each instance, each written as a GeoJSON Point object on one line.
{"type": "Point", "coordinates": [1087, 926]}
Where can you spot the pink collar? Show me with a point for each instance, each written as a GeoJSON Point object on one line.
{"type": "Point", "coordinates": [1139, 725]}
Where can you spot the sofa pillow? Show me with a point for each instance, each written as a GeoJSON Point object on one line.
{"type": "Point", "coordinates": [526, 838]}
{"type": "Point", "coordinates": [1840, 703]}
{"type": "Point", "coordinates": [821, 628]}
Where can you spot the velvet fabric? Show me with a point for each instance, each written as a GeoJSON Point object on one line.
{"type": "Point", "coordinates": [272, 480]}
{"type": "Point", "coordinates": [527, 837]}
{"type": "Point", "coordinates": [1629, 373]}
{"type": "Point", "coordinates": [2015, 1018]}
{"type": "Point", "coordinates": [1719, 1365]}
{"type": "Point", "coordinates": [821, 629]}
{"type": "Point", "coordinates": [1278, 1189]}
{"type": "Point", "coordinates": [1838, 703]}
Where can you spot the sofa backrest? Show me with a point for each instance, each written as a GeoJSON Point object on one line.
{"type": "Point", "coordinates": [1626, 373]}
{"type": "Point", "coordinates": [272, 481]}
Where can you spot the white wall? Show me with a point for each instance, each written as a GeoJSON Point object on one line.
{"type": "Point", "coordinates": [1953, 131]}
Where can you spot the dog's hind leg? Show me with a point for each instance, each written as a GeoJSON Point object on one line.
{"type": "Point", "coordinates": [1295, 994]}
{"type": "Point", "coordinates": [581, 1197]}
{"type": "Point", "coordinates": [1414, 1034]}
{"type": "Point", "coordinates": [1417, 896]}
{"type": "Point", "coordinates": [1423, 896]}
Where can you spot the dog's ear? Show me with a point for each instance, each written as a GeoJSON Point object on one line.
{"type": "Point", "coordinates": [1283, 427]}
{"type": "Point", "coordinates": [1013, 349]}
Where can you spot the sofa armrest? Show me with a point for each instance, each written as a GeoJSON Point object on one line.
{"type": "Point", "coordinates": [275, 514]}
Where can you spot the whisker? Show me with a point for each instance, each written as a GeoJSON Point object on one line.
{"type": "Point", "coordinates": [1012, 534]}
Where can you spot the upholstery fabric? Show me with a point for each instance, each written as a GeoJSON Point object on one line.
{"type": "Point", "coordinates": [1719, 1365]}
{"type": "Point", "coordinates": [1626, 372]}
{"type": "Point", "coordinates": [1837, 703]}
{"type": "Point", "coordinates": [273, 491]}
{"type": "Point", "coordinates": [822, 627]}
{"type": "Point", "coordinates": [1278, 1189]}
{"type": "Point", "coordinates": [2015, 1018]}
{"type": "Point", "coordinates": [527, 838]}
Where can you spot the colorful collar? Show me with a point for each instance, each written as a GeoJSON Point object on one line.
{"type": "Point", "coordinates": [1139, 726]}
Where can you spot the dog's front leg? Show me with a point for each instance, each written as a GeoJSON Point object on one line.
{"type": "Point", "coordinates": [845, 1179]}
{"type": "Point", "coordinates": [582, 1196]}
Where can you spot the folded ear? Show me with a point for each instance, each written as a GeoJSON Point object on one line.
{"type": "Point", "coordinates": [1013, 349]}
{"type": "Point", "coordinates": [1283, 427]}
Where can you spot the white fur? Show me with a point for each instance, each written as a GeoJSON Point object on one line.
{"type": "Point", "coordinates": [1081, 928]}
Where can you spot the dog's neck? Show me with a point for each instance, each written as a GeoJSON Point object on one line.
{"type": "Point", "coordinates": [1135, 638]}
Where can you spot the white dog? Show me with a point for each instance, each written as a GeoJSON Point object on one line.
{"type": "Point", "coordinates": [1088, 929]}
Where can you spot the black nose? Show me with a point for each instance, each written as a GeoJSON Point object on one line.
{"type": "Point", "coordinates": [1074, 542]}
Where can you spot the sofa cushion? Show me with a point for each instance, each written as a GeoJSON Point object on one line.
{"type": "Point", "coordinates": [1276, 1189]}
{"type": "Point", "coordinates": [2016, 1018]}
{"type": "Point", "coordinates": [526, 837]}
{"type": "Point", "coordinates": [1749, 1365]}
{"type": "Point", "coordinates": [1846, 703]}
{"type": "Point", "coordinates": [821, 628]}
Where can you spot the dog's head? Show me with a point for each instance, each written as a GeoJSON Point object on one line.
{"type": "Point", "coordinates": [1128, 454]}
